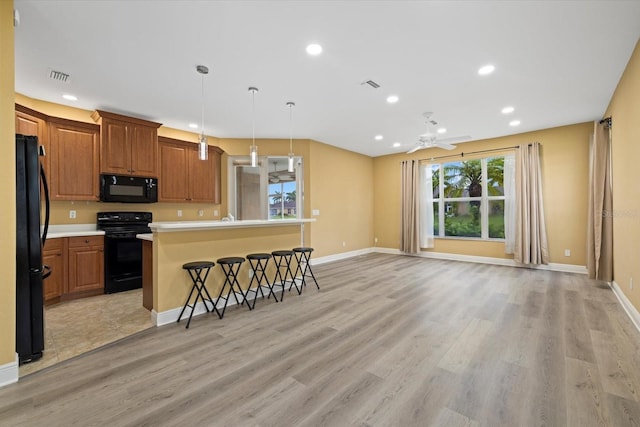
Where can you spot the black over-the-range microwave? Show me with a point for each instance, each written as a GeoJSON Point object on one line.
{"type": "Point", "coordinates": [128, 189]}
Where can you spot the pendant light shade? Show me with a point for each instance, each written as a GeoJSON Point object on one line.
{"type": "Point", "coordinates": [290, 165]}
{"type": "Point", "coordinates": [253, 149]}
{"type": "Point", "coordinates": [203, 146]}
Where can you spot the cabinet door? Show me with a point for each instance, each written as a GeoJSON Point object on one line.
{"type": "Point", "coordinates": [27, 124]}
{"type": "Point", "coordinates": [86, 263]}
{"type": "Point", "coordinates": [114, 148]}
{"type": "Point", "coordinates": [74, 162]}
{"type": "Point", "coordinates": [144, 150]}
{"type": "Point", "coordinates": [174, 164]}
{"type": "Point", "coordinates": [201, 177]}
{"type": "Point", "coordinates": [54, 255]}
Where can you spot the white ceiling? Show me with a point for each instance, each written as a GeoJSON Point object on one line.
{"type": "Point", "coordinates": [557, 63]}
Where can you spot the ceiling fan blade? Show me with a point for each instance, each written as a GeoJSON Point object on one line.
{"type": "Point", "coordinates": [454, 139]}
{"type": "Point", "coordinates": [444, 145]}
{"type": "Point", "coordinates": [416, 148]}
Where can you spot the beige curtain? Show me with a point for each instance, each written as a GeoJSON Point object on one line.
{"type": "Point", "coordinates": [531, 236]}
{"type": "Point", "coordinates": [600, 217]}
{"type": "Point", "coordinates": [410, 238]}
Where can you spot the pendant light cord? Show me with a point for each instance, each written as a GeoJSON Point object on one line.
{"type": "Point", "coordinates": [291, 104]}
{"type": "Point", "coordinates": [202, 129]}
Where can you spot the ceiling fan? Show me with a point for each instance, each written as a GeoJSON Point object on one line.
{"type": "Point", "coordinates": [430, 138]}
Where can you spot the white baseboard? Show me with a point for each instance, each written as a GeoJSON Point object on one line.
{"type": "Point", "coordinates": [340, 256]}
{"type": "Point", "coordinates": [9, 372]}
{"type": "Point", "coordinates": [171, 316]}
{"type": "Point", "coordinates": [567, 268]}
{"type": "Point", "coordinates": [631, 311]}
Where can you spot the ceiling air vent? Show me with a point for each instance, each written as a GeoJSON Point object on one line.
{"type": "Point", "coordinates": [371, 83]}
{"type": "Point", "coordinates": [59, 76]}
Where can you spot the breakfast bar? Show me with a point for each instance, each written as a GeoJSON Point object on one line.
{"type": "Point", "coordinates": [176, 243]}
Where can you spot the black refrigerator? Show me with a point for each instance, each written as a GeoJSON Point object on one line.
{"type": "Point", "coordinates": [30, 237]}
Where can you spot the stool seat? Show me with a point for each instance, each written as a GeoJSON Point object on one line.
{"type": "Point", "coordinates": [303, 249]}
{"type": "Point", "coordinates": [282, 253]}
{"type": "Point", "coordinates": [259, 256]}
{"type": "Point", "coordinates": [230, 260]}
{"type": "Point", "coordinates": [197, 265]}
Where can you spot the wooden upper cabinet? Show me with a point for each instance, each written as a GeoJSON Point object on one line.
{"type": "Point", "coordinates": [74, 160]}
{"type": "Point", "coordinates": [128, 146]}
{"type": "Point", "coordinates": [33, 123]}
{"type": "Point", "coordinates": [184, 177]}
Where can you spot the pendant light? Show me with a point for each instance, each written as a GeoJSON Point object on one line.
{"type": "Point", "coordinates": [203, 146]}
{"type": "Point", "coordinates": [290, 105]}
{"type": "Point", "coordinates": [253, 150]}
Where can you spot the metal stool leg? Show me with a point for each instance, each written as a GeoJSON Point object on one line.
{"type": "Point", "coordinates": [199, 286]}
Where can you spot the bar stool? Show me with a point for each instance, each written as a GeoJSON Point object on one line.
{"type": "Point", "coordinates": [258, 263]}
{"type": "Point", "coordinates": [230, 267]}
{"type": "Point", "coordinates": [282, 259]}
{"type": "Point", "coordinates": [196, 270]}
{"type": "Point", "coordinates": [303, 255]}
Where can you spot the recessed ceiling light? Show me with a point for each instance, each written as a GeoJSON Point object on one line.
{"type": "Point", "coordinates": [396, 144]}
{"type": "Point", "coordinates": [487, 69]}
{"type": "Point", "coordinates": [508, 110]}
{"type": "Point", "coordinates": [193, 125]}
{"type": "Point", "coordinates": [314, 49]}
{"type": "Point", "coordinates": [514, 123]}
{"type": "Point", "coordinates": [70, 97]}
{"type": "Point", "coordinates": [392, 99]}
{"type": "Point", "coordinates": [442, 130]}
{"type": "Point", "coordinates": [378, 137]}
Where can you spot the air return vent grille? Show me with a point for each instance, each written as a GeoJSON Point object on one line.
{"type": "Point", "coordinates": [371, 83]}
{"type": "Point", "coordinates": [59, 76]}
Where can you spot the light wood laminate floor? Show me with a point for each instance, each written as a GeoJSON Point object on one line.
{"type": "Point", "coordinates": [388, 341]}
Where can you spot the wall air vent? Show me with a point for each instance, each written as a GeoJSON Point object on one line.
{"type": "Point", "coordinates": [59, 76]}
{"type": "Point", "coordinates": [371, 83]}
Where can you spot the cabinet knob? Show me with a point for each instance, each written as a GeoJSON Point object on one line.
{"type": "Point", "coordinates": [86, 240]}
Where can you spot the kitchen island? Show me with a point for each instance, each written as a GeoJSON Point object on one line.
{"type": "Point", "coordinates": [176, 243]}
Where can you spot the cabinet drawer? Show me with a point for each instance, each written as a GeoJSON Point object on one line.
{"type": "Point", "coordinates": [53, 244]}
{"type": "Point", "coordinates": [86, 241]}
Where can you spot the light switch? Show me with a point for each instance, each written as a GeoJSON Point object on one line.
{"type": "Point", "coordinates": [315, 212]}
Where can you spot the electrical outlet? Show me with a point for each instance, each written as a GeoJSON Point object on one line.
{"type": "Point", "coordinates": [215, 212]}
{"type": "Point", "coordinates": [315, 212]}
{"type": "Point", "coordinates": [179, 212]}
{"type": "Point", "coordinates": [250, 273]}
{"type": "Point", "coordinates": [375, 240]}
{"type": "Point", "coordinates": [72, 214]}
{"type": "Point", "coordinates": [200, 212]}
{"type": "Point", "coordinates": [631, 283]}
{"type": "Point", "coordinates": [344, 244]}
{"type": "Point", "coordinates": [567, 252]}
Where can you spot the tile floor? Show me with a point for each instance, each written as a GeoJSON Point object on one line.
{"type": "Point", "coordinates": [78, 326]}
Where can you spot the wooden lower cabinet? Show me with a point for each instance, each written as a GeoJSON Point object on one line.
{"type": "Point", "coordinates": [77, 265]}
{"type": "Point", "coordinates": [54, 255]}
{"type": "Point", "coordinates": [86, 263]}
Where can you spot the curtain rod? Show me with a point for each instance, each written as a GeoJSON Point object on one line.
{"type": "Point", "coordinates": [472, 152]}
{"type": "Point", "coordinates": [607, 122]}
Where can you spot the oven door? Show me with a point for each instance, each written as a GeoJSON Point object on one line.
{"type": "Point", "coordinates": [122, 262]}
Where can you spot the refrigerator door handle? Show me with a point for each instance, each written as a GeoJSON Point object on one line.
{"type": "Point", "coordinates": [47, 207]}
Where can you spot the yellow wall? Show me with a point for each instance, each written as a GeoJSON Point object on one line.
{"type": "Point", "coordinates": [7, 188]}
{"type": "Point", "coordinates": [624, 110]}
{"type": "Point", "coordinates": [565, 156]}
{"type": "Point", "coordinates": [341, 189]}
{"type": "Point", "coordinates": [344, 196]}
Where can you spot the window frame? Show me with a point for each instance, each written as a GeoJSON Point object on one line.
{"type": "Point", "coordinates": [484, 200]}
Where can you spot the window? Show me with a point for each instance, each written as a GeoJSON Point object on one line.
{"type": "Point", "coordinates": [267, 191]}
{"type": "Point", "coordinates": [465, 203]}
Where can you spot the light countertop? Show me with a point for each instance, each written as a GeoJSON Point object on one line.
{"type": "Point", "coordinates": [209, 225]}
{"type": "Point", "coordinates": [73, 230]}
